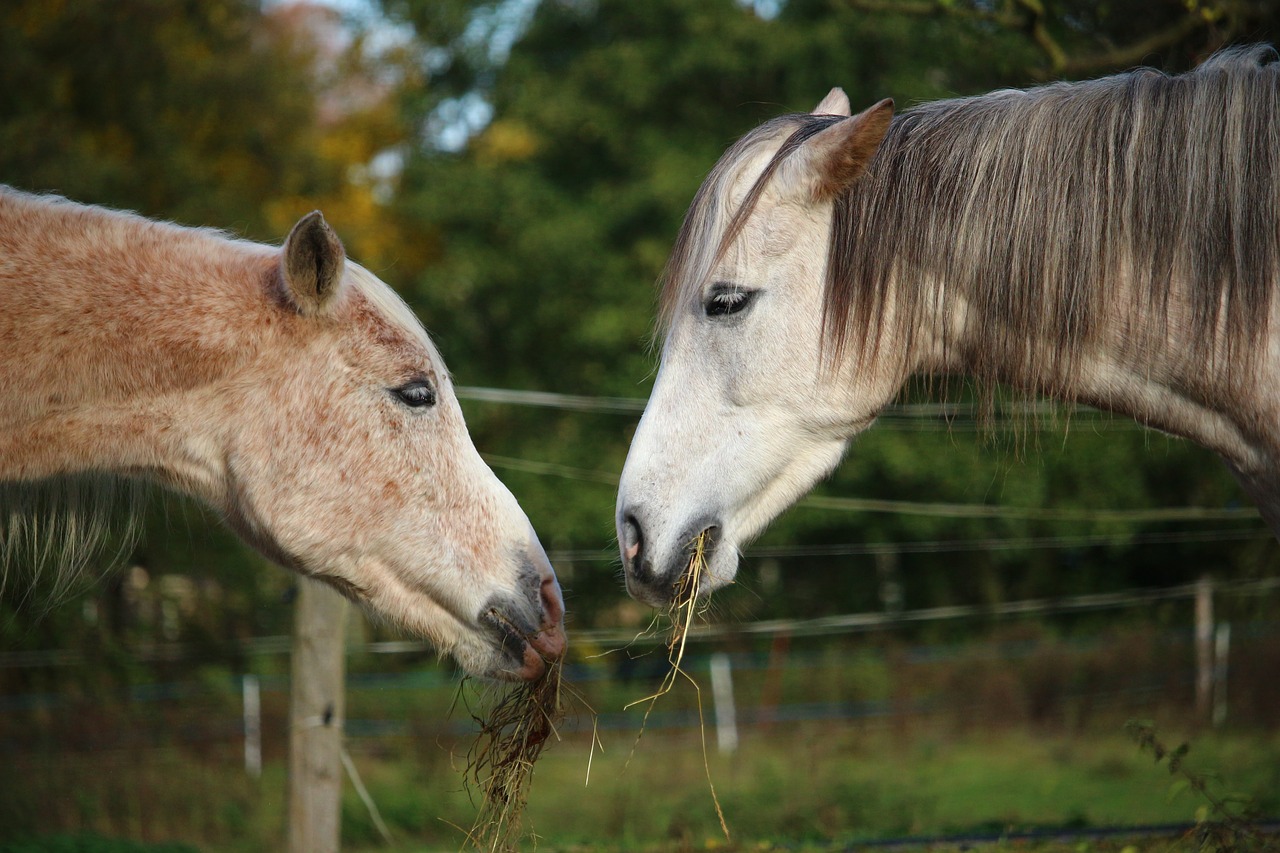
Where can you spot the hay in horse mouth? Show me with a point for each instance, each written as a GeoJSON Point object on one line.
{"type": "Point", "coordinates": [501, 762]}
{"type": "Point", "coordinates": [698, 551]}
{"type": "Point", "coordinates": [681, 612]}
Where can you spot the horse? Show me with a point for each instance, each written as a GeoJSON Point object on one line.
{"type": "Point", "coordinates": [1113, 243]}
{"type": "Point", "coordinates": [289, 389]}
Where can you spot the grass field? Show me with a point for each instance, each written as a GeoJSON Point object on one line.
{"type": "Point", "coordinates": [813, 787]}
{"type": "Point", "coordinates": [827, 787]}
{"type": "Point", "coordinates": [973, 742]}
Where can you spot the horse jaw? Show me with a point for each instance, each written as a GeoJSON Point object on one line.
{"type": "Point", "coordinates": [444, 552]}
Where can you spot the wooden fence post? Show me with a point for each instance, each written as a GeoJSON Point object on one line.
{"type": "Point", "coordinates": [316, 712]}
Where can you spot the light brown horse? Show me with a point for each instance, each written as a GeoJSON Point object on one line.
{"type": "Point", "coordinates": [1114, 242]}
{"type": "Point", "coordinates": [289, 389]}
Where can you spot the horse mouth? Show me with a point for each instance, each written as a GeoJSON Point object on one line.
{"type": "Point", "coordinates": [662, 589]}
{"type": "Point", "coordinates": [525, 652]}
{"type": "Point", "coordinates": [700, 548]}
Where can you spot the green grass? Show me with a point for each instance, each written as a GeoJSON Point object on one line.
{"type": "Point", "coordinates": [1009, 742]}
{"type": "Point", "coordinates": [89, 844]}
{"type": "Point", "coordinates": [826, 787]}
{"type": "Point", "coordinates": [811, 787]}
{"type": "Point", "coordinates": [826, 784]}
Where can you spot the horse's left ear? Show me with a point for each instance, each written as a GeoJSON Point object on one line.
{"type": "Point", "coordinates": [826, 164]}
{"type": "Point", "coordinates": [313, 263]}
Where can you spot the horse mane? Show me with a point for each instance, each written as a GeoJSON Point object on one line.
{"type": "Point", "coordinates": [1020, 207]}
{"type": "Point", "coordinates": [52, 532]}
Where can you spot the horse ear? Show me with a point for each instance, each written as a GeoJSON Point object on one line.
{"type": "Point", "coordinates": [313, 263]}
{"type": "Point", "coordinates": [835, 157]}
{"type": "Point", "coordinates": [836, 103]}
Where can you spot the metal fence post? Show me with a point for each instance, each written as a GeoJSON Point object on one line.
{"type": "Point", "coordinates": [722, 695]}
{"type": "Point", "coordinates": [252, 693]}
{"type": "Point", "coordinates": [1221, 657]}
{"type": "Point", "coordinates": [1204, 648]}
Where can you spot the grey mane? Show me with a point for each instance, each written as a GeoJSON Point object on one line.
{"type": "Point", "coordinates": [1028, 204]}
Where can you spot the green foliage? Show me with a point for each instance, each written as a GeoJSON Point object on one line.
{"type": "Point", "coordinates": [142, 104]}
{"type": "Point", "coordinates": [1225, 819]}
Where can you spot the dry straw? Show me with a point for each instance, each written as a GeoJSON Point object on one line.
{"type": "Point", "coordinates": [684, 608]}
{"type": "Point", "coordinates": [501, 762]}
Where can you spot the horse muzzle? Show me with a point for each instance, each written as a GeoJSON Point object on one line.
{"type": "Point", "coordinates": [530, 632]}
{"type": "Point", "coordinates": [653, 572]}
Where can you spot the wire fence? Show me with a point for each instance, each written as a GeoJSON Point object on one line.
{"type": "Point", "coordinates": [780, 670]}
{"type": "Point", "coordinates": [212, 743]}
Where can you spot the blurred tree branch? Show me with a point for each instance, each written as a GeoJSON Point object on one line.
{"type": "Point", "coordinates": [1124, 56]}
{"type": "Point", "coordinates": [1225, 19]}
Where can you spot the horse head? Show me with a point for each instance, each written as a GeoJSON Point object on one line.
{"type": "Point", "coordinates": [351, 463]}
{"type": "Point", "coordinates": [288, 388]}
{"type": "Point", "coordinates": [744, 417]}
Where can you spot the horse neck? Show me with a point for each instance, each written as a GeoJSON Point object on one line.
{"type": "Point", "coordinates": [105, 319]}
{"type": "Point", "coordinates": [1134, 361]}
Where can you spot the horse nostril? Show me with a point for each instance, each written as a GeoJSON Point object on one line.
{"type": "Point", "coordinates": [552, 600]}
{"type": "Point", "coordinates": [632, 541]}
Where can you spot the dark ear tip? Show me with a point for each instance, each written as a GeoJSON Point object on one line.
{"type": "Point", "coordinates": [312, 221]}
{"type": "Point", "coordinates": [313, 227]}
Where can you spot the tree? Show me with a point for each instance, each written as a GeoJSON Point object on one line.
{"type": "Point", "coordinates": [1077, 39]}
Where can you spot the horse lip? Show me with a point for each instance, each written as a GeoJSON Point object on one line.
{"type": "Point", "coordinates": [550, 642]}
{"type": "Point", "coordinates": [533, 665]}
{"type": "Point", "coordinates": [533, 650]}
{"type": "Point", "coordinates": [645, 594]}
{"type": "Point", "coordinates": [712, 533]}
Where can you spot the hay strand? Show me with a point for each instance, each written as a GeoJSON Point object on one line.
{"type": "Point", "coordinates": [501, 762]}
{"type": "Point", "coordinates": [684, 608]}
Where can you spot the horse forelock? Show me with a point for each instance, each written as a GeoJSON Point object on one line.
{"type": "Point", "coordinates": [712, 221]}
{"type": "Point", "coordinates": [1036, 212]}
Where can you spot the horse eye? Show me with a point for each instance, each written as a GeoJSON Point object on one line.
{"type": "Point", "coordinates": [727, 299]}
{"type": "Point", "coordinates": [416, 394]}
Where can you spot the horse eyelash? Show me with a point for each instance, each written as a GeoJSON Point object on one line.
{"type": "Point", "coordinates": [416, 394]}
{"type": "Point", "coordinates": [726, 299]}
